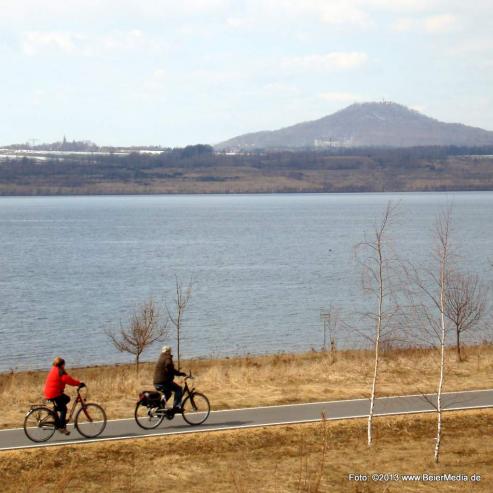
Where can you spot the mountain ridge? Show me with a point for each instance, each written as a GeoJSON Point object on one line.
{"type": "Point", "coordinates": [372, 124]}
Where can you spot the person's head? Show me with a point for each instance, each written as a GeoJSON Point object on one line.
{"type": "Point", "coordinates": [59, 362]}
{"type": "Point", "coordinates": [166, 350]}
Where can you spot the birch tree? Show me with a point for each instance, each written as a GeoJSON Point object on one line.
{"type": "Point", "coordinates": [176, 313]}
{"type": "Point", "coordinates": [378, 264]}
{"type": "Point", "coordinates": [442, 236]}
{"type": "Point", "coordinates": [434, 284]}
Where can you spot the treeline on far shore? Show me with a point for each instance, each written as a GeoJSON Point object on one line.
{"type": "Point", "coordinates": [199, 169]}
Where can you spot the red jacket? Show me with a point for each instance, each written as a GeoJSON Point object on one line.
{"type": "Point", "coordinates": [56, 381]}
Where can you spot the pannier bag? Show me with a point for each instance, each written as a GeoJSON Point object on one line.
{"type": "Point", "coordinates": [150, 397]}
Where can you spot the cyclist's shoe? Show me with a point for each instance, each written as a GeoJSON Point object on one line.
{"type": "Point", "coordinates": [64, 431]}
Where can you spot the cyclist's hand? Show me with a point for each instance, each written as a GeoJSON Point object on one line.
{"type": "Point", "coordinates": [81, 385]}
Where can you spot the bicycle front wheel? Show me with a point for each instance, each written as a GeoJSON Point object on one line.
{"type": "Point", "coordinates": [148, 417]}
{"type": "Point", "coordinates": [196, 409]}
{"type": "Point", "coordinates": [40, 424]}
{"type": "Point", "coordinates": [90, 420]}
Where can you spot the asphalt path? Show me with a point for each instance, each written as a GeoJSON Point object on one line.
{"type": "Point", "coordinates": [121, 429]}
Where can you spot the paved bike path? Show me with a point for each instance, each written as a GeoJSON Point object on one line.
{"type": "Point", "coordinates": [264, 416]}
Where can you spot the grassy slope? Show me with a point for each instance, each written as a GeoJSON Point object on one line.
{"type": "Point", "coordinates": [276, 379]}
{"type": "Point", "coordinates": [302, 458]}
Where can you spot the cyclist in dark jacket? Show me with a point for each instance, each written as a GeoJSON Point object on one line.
{"type": "Point", "coordinates": [164, 374]}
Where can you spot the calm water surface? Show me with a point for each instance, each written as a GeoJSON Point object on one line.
{"type": "Point", "coordinates": [262, 265]}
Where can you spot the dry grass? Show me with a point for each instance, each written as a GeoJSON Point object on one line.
{"type": "Point", "coordinates": [266, 380]}
{"type": "Point", "coordinates": [303, 458]}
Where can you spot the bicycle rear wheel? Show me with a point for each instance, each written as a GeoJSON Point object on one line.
{"type": "Point", "coordinates": [196, 409]}
{"type": "Point", "coordinates": [148, 417]}
{"type": "Point", "coordinates": [90, 420]}
{"type": "Point", "coordinates": [40, 424]}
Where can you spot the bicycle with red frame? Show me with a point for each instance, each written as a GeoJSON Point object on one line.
{"type": "Point", "coordinates": [41, 421]}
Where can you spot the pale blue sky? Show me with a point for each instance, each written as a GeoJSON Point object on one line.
{"type": "Point", "coordinates": [186, 71]}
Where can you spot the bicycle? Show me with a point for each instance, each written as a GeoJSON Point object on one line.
{"type": "Point", "coordinates": [40, 422]}
{"type": "Point", "coordinates": [151, 409]}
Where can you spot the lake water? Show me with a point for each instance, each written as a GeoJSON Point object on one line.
{"type": "Point", "coordinates": [262, 265]}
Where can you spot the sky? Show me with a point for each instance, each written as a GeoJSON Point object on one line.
{"type": "Point", "coordinates": [177, 72]}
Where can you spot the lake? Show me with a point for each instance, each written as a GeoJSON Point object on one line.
{"type": "Point", "coordinates": [262, 266]}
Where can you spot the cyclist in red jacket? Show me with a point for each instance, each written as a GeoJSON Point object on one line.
{"type": "Point", "coordinates": [53, 391]}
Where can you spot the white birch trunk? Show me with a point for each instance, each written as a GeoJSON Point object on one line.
{"type": "Point", "coordinates": [444, 232]}
{"type": "Point", "coordinates": [442, 358]}
{"type": "Point", "coordinates": [378, 331]}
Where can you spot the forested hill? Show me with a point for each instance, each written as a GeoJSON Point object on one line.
{"type": "Point", "coordinates": [198, 169]}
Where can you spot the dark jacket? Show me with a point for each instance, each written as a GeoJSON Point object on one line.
{"type": "Point", "coordinates": [165, 370]}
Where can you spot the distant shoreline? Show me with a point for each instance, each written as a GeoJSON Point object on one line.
{"type": "Point", "coordinates": [199, 171]}
{"type": "Point", "coordinates": [260, 193]}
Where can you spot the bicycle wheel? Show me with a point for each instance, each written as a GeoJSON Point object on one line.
{"type": "Point", "coordinates": [40, 424]}
{"type": "Point", "coordinates": [196, 409]}
{"type": "Point", "coordinates": [148, 417]}
{"type": "Point", "coordinates": [90, 420]}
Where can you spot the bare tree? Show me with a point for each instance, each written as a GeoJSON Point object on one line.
{"type": "Point", "coordinates": [182, 297]}
{"type": "Point", "coordinates": [443, 252]}
{"type": "Point", "coordinates": [465, 304]}
{"type": "Point", "coordinates": [377, 271]}
{"type": "Point", "coordinates": [144, 328]}
{"type": "Point", "coordinates": [433, 312]}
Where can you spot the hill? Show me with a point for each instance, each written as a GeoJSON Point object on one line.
{"type": "Point", "coordinates": [365, 125]}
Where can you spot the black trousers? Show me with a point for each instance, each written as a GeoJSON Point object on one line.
{"type": "Point", "coordinates": [61, 409]}
{"type": "Point", "coordinates": [167, 388]}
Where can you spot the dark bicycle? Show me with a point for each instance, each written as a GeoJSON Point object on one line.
{"type": "Point", "coordinates": [151, 409]}
{"type": "Point", "coordinates": [40, 422]}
